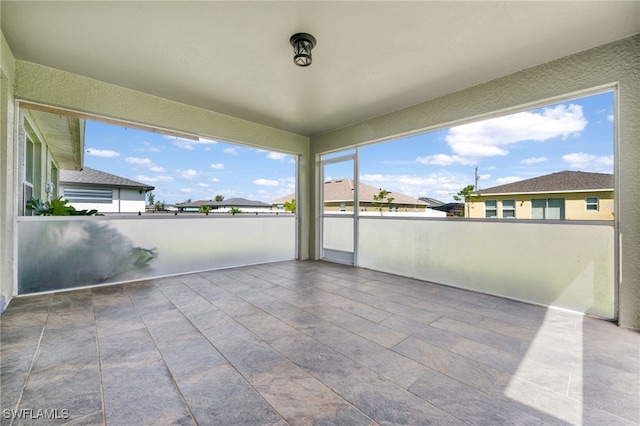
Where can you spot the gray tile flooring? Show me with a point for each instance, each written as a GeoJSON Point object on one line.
{"type": "Point", "coordinates": [309, 343]}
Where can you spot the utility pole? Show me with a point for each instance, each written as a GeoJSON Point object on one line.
{"type": "Point", "coordinates": [477, 177]}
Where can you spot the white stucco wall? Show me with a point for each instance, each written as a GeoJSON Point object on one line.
{"type": "Point", "coordinates": [124, 200]}
{"type": "Point", "coordinates": [8, 179]}
{"type": "Point", "coordinates": [615, 64]}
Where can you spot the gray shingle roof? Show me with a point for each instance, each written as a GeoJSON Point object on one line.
{"type": "Point", "coordinates": [566, 181]}
{"type": "Point", "coordinates": [93, 177]}
{"type": "Point", "coordinates": [431, 202]}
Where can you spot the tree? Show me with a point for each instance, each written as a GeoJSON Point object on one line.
{"type": "Point", "coordinates": [466, 195]}
{"type": "Point", "coordinates": [382, 199]}
{"type": "Point", "coordinates": [219, 198]}
{"type": "Point", "coordinates": [159, 206]}
{"type": "Point", "coordinates": [204, 209]}
{"type": "Point", "coordinates": [290, 206]}
{"type": "Point", "coordinates": [151, 198]}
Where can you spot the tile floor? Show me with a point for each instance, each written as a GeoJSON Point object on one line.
{"type": "Point", "coordinates": [309, 343]}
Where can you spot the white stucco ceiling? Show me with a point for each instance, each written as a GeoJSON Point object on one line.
{"type": "Point", "coordinates": [371, 57]}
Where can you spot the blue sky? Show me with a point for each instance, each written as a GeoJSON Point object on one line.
{"type": "Point", "coordinates": [181, 169]}
{"type": "Point", "coordinates": [572, 135]}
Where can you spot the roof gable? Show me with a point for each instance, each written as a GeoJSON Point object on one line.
{"type": "Point", "coordinates": [93, 177]}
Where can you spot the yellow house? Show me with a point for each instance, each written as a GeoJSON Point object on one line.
{"type": "Point", "coordinates": [566, 195]}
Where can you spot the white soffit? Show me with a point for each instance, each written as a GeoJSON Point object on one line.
{"type": "Point", "coordinates": [371, 57]}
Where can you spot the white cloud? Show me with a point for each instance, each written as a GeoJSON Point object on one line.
{"type": "Point", "coordinates": [217, 166]}
{"type": "Point", "coordinates": [203, 185]}
{"type": "Point", "coordinates": [145, 162]}
{"type": "Point", "coordinates": [187, 190]}
{"type": "Point", "coordinates": [444, 160]}
{"type": "Point", "coordinates": [277, 156]}
{"type": "Point", "coordinates": [188, 174]}
{"type": "Point", "coordinates": [610, 117]}
{"type": "Point", "coordinates": [185, 143]}
{"type": "Point", "coordinates": [231, 150]}
{"type": "Point", "coordinates": [266, 182]}
{"type": "Point", "coordinates": [214, 180]}
{"type": "Point", "coordinates": [289, 183]}
{"type": "Point", "coordinates": [534, 160]}
{"type": "Point", "coordinates": [507, 179]}
{"type": "Point", "coordinates": [107, 153]}
{"type": "Point", "coordinates": [488, 138]}
{"type": "Point", "coordinates": [139, 161]}
{"type": "Point", "coordinates": [149, 179]}
{"type": "Point", "coordinates": [147, 147]}
{"type": "Point", "coordinates": [584, 161]}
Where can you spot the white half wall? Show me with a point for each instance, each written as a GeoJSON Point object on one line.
{"type": "Point", "coordinates": [566, 265]}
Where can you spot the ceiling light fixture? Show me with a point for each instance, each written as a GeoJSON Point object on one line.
{"type": "Point", "coordinates": [302, 44]}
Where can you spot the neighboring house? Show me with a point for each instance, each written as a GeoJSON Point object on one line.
{"type": "Point", "coordinates": [451, 209]}
{"type": "Point", "coordinates": [432, 203]}
{"type": "Point", "coordinates": [246, 206]}
{"type": "Point", "coordinates": [50, 142]}
{"type": "Point", "coordinates": [563, 195]}
{"type": "Point", "coordinates": [93, 189]}
{"type": "Point", "coordinates": [339, 194]}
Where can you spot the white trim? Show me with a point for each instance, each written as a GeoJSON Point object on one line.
{"type": "Point", "coordinates": [494, 194]}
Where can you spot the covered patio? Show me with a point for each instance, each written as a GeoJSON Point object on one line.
{"type": "Point", "coordinates": [310, 343]}
{"type": "Point", "coordinates": [436, 321]}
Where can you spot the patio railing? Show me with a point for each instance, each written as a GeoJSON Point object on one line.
{"type": "Point", "coordinates": [60, 252]}
{"type": "Point", "coordinates": [554, 263]}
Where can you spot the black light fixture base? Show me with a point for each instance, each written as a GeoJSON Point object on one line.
{"type": "Point", "coordinates": [302, 44]}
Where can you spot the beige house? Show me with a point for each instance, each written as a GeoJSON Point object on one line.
{"type": "Point", "coordinates": [339, 195]}
{"type": "Point", "coordinates": [563, 195]}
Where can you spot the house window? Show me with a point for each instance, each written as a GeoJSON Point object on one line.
{"type": "Point", "coordinates": [551, 208]}
{"type": "Point", "coordinates": [509, 209]}
{"type": "Point", "coordinates": [54, 180]}
{"type": "Point", "coordinates": [592, 203]}
{"type": "Point", "coordinates": [88, 195]}
{"type": "Point", "coordinates": [29, 162]}
{"type": "Point", "coordinates": [490, 208]}
{"type": "Point", "coordinates": [31, 186]}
